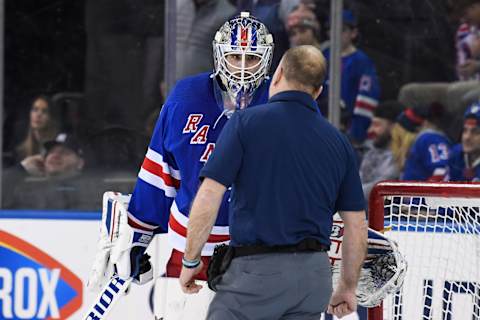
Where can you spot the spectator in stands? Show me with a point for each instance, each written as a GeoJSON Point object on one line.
{"type": "Point", "coordinates": [468, 43]}
{"type": "Point", "coordinates": [273, 13]}
{"type": "Point", "coordinates": [428, 157]}
{"type": "Point", "coordinates": [360, 89]}
{"type": "Point", "coordinates": [303, 27]}
{"type": "Point", "coordinates": [457, 95]}
{"type": "Point", "coordinates": [197, 22]}
{"type": "Point", "coordinates": [378, 162]}
{"type": "Point", "coordinates": [404, 132]}
{"type": "Point", "coordinates": [464, 160]}
{"type": "Point", "coordinates": [468, 54]}
{"type": "Point", "coordinates": [64, 157]}
{"type": "Point", "coordinates": [41, 128]}
{"type": "Point", "coordinates": [64, 184]}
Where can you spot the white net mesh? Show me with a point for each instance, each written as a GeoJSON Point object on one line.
{"type": "Point", "coordinates": [440, 239]}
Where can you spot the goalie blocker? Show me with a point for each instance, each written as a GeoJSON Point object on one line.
{"type": "Point", "coordinates": [121, 248]}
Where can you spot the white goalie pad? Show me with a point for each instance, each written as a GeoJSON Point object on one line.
{"type": "Point", "coordinates": [383, 271]}
{"type": "Point", "coordinates": [115, 237]}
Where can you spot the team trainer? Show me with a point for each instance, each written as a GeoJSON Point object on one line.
{"type": "Point", "coordinates": [290, 171]}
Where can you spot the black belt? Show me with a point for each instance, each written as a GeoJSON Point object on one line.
{"type": "Point", "coordinates": [306, 245]}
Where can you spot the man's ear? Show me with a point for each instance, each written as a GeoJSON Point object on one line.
{"type": "Point", "coordinates": [277, 76]}
{"type": "Point", "coordinates": [317, 93]}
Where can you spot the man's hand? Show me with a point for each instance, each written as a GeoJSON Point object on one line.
{"type": "Point", "coordinates": [34, 165]}
{"type": "Point", "coordinates": [343, 301]}
{"type": "Point", "coordinates": [187, 281]}
{"type": "Point", "coordinates": [354, 249]}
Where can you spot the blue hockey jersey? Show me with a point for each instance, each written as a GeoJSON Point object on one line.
{"type": "Point", "coordinates": [360, 91]}
{"type": "Point", "coordinates": [184, 137]}
{"type": "Point", "coordinates": [457, 170]}
{"type": "Point", "coordinates": [428, 157]}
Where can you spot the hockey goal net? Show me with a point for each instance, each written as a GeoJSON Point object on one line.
{"type": "Point", "coordinates": [437, 228]}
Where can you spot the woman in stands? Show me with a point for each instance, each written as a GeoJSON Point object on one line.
{"type": "Point", "coordinates": [41, 128]}
{"type": "Point", "coordinates": [404, 133]}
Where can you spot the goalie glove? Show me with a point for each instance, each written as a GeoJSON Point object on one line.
{"type": "Point", "coordinates": [122, 244]}
{"type": "Point", "coordinates": [383, 271]}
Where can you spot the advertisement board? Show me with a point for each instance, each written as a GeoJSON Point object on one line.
{"type": "Point", "coordinates": [45, 260]}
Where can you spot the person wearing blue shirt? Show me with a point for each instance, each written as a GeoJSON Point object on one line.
{"type": "Point", "coordinates": [360, 89]}
{"type": "Point", "coordinates": [427, 159]}
{"type": "Point", "coordinates": [464, 161]}
{"type": "Point", "coordinates": [290, 171]}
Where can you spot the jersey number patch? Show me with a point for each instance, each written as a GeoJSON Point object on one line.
{"type": "Point", "coordinates": [438, 152]}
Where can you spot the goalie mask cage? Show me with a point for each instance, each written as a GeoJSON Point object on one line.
{"type": "Point", "coordinates": [437, 228]}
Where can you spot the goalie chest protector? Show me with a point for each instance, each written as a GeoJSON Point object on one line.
{"type": "Point", "coordinates": [184, 137]}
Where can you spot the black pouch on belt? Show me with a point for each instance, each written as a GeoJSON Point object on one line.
{"type": "Point", "coordinates": [219, 263]}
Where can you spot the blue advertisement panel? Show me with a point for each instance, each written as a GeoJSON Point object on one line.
{"type": "Point", "coordinates": [33, 285]}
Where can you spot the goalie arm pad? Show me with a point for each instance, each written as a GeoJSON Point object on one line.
{"type": "Point", "coordinates": [121, 247]}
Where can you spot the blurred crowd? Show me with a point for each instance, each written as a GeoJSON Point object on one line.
{"type": "Point", "coordinates": [73, 147]}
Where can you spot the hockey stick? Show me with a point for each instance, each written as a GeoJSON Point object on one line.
{"type": "Point", "coordinates": [107, 298]}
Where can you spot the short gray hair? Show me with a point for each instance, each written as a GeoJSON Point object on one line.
{"type": "Point", "coordinates": [305, 66]}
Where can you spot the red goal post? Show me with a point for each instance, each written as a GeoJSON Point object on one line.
{"type": "Point", "coordinates": [437, 228]}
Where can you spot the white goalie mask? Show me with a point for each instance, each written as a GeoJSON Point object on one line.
{"type": "Point", "coordinates": [242, 52]}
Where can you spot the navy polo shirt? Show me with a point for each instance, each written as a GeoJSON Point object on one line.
{"type": "Point", "coordinates": [290, 170]}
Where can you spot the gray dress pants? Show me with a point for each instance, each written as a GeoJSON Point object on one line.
{"type": "Point", "coordinates": [276, 286]}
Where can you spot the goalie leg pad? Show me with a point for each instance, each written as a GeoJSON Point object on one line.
{"type": "Point", "coordinates": [121, 247]}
